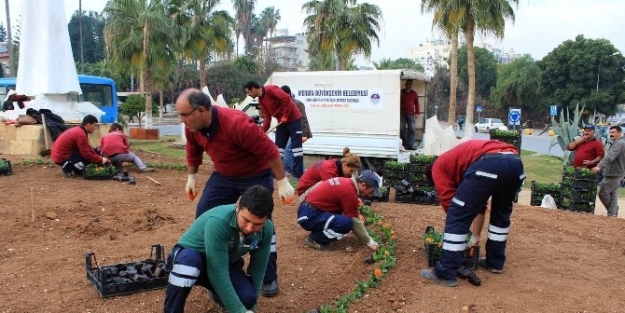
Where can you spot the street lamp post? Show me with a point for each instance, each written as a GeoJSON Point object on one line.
{"type": "Point", "coordinates": [599, 71]}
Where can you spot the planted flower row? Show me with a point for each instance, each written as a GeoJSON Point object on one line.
{"type": "Point", "coordinates": [384, 258]}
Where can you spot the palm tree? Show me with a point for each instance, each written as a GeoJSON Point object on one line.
{"type": "Point", "coordinates": [205, 30]}
{"type": "Point", "coordinates": [448, 22]}
{"type": "Point", "coordinates": [243, 11]}
{"type": "Point", "coordinates": [487, 16]}
{"type": "Point", "coordinates": [384, 64]}
{"type": "Point", "coordinates": [270, 18]}
{"type": "Point", "coordinates": [130, 32]}
{"type": "Point", "coordinates": [343, 27]}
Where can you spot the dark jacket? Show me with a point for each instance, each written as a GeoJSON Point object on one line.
{"type": "Point", "coordinates": [305, 125]}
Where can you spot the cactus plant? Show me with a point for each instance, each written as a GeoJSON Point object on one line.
{"type": "Point", "coordinates": [566, 131]}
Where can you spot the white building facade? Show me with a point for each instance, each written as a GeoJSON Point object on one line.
{"type": "Point", "coordinates": [289, 50]}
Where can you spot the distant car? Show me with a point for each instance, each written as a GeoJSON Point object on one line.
{"type": "Point", "coordinates": [486, 124]}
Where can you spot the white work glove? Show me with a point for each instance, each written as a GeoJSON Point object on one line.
{"type": "Point", "coordinates": [373, 245]}
{"type": "Point", "coordinates": [191, 187]}
{"type": "Point", "coordinates": [105, 161]}
{"type": "Point", "coordinates": [475, 240]}
{"type": "Point", "coordinates": [285, 190]}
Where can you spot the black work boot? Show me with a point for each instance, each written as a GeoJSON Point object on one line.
{"type": "Point", "coordinates": [271, 289]}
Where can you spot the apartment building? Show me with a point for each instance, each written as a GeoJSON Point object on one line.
{"type": "Point", "coordinates": [289, 50]}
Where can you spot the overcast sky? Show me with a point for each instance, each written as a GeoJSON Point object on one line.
{"type": "Point", "coordinates": [540, 26]}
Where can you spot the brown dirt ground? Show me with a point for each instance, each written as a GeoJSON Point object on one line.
{"type": "Point", "coordinates": [557, 261]}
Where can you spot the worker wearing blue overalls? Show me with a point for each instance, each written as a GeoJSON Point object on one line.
{"type": "Point", "coordinates": [465, 177]}
{"type": "Point", "coordinates": [242, 156]}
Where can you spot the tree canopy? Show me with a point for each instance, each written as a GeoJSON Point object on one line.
{"type": "Point", "coordinates": [574, 70]}
{"type": "Point", "coordinates": [485, 70]}
{"type": "Point", "coordinates": [519, 85]}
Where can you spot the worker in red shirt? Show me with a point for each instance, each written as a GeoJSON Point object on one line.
{"type": "Point", "coordinates": [588, 149]}
{"type": "Point", "coordinates": [409, 111]}
{"type": "Point", "coordinates": [330, 210]}
{"type": "Point", "coordinates": [324, 170]}
{"type": "Point", "coordinates": [242, 155]}
{"type": "Point", "coordinates": [72, 150]}
{"type": "Point", "coordinates": [115, 146]}
{"type": "Point", "coordinates": [274, 102]}
{"type": "Point", "coordinates": [465, 177]}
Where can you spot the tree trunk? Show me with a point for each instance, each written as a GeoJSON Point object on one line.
{"type": "Point", "coordinates": [12, 67]}
{"type": "Point", "coordinates": [146, 83]}
{"type": "Point", "coordinates": [471, 65]}
{"type": "Point", "coordinates": [453, 78]}
{"type": "Point", "coordinates": [160, 105]}
{"type": "Point", "coordinates": [202, 72]}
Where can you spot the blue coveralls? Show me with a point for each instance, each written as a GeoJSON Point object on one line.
{"type": "Point", "coordinates": [293, 131]}
{"type": "Point", "coordinates": [499, 175]}
{"type": "Point", "coordinates": [222, 190]}
{"type": "Point", "coordinates": [188, 269]}
{"type": "Point", "coordinates": [324, 227]}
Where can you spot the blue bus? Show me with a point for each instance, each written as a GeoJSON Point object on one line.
{"type": "Point", "coordinates": [101, 91]}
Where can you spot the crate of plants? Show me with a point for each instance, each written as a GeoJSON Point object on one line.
{"type": "Point", "coordinates": [394, 172]}
{"type": "Point", "coordinates": [512, 137]}
{"type": "Point", "coordinates": [384, 197]}
{"type": "Point", "coordinates": [578, 204]}
{"type": "Point", "coordinates": [420, 162]}
{"type": "Point", "coordinates": [425, 197]}
{"type": "Point", "coordinates": [98, 172]}
{"type": "Point", "coordinates": [128, 278]}
{"type": "Point", "coordinates": [579, 179]}
{"type": "Point", "coordinates": [5, 167]}
{"type": "Point", "coordinates": [433, 244]}
{"type": "Point", "coordinates": [540, 190]}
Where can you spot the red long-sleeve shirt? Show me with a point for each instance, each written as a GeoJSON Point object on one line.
{"type": "Point", "coordinates": [336, 195]}
{"type": "Point", "coordinates": [73, 140]}
{"type": "Point", "coordinates": [276, 103]}
{"type": "Point", "coordinates": [320, 171]}
{"type": "Point", "coordinates": [449, 168]}
{"type": "Point", "coordinates": [235, 144]}
{"type": "Point", "coordinates": [409, 102]}
{"type": "Point", "coordinates": [114, 143]}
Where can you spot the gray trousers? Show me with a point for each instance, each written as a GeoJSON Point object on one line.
{"type": "Point", "coordinates": [127, 157]}
{"type": "Point", "coordinates": [608, 193]}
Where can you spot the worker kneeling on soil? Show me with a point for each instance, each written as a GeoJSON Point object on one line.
{"type": "Point", "coordinates": [330, 210]}
{"type": "Point", "coordinates": [72, 150]}
{"type": "Point", "coordinates": [115, 145]}
{"type": "Point", "coordinates": [210, 254]}
{"type": "Point", "coordinates": [464, 178]}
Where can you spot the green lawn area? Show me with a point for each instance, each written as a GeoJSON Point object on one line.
{"type": "Point", "coordinates": [162, 146]}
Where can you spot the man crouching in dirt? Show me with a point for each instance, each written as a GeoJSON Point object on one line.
{"type": "Point", "coordinates": [466, 176]}
{"type": "Point", "coordinates": [210, 254]}
{"type": "Point", "coordinates": [330, 210]}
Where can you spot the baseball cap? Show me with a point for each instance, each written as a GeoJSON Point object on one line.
{"type": "Point", "coordinates": [372, 179]}
{"type": "Point", "coordinates": [589, 126]}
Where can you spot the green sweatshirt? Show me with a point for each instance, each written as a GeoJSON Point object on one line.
{"type": "Point", "coordinates": [216, 234]}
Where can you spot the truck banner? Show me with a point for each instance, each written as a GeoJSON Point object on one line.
{"type": "Point", "coordinates": [365, 99]}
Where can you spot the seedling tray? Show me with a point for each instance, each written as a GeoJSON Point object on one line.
{"type": "Point", "coordinates": [433, 251]}
{"type": "Point", "coordinates": [128, 278]}
{"type": "Point", "coordinates": [5, 167]}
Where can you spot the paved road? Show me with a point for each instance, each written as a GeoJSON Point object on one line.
{"type": "Point", "coordinates": [539, 144]}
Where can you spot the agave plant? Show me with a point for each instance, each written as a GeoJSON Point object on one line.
{"type": "Point", "coordinates": [566, 131]}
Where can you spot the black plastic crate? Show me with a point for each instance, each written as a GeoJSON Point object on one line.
{"type": "Point", "coordinates": [425, 200]}
{"type": "Point", "coordinates": [128, 278]}
{"type": "Point", "coordinates": [470, 259]}
{"type": "Point", "coordinates": [579, 184]}
{"type": "Point", "coordinates": [577, 205]}
{"type": "Point", "coordinates": [5, 167]}
{"type": "Point", "coordinates": [94, 172]}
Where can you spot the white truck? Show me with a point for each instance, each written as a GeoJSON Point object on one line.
{"type": "Point", "coordinates": [355, 109]}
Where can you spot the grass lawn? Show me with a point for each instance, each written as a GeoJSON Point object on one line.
{"type": "Point", "coordinates": [162, 146]}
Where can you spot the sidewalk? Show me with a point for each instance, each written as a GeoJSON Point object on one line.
{"type": "Point", "coordinates": [526, 194]}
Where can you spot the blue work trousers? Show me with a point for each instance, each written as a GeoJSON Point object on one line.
{"type": "Point", "coordinates": [222, 190]}
{"type": "Point", "coordinates": [406, 130]}
{"type": "Point", "coordinates": [324, 227]}
{"type": "Point", "coordinates": [188, 269]}
{"type": "Point", "coordinates": [292, 131]}
{"type": "Point", "coordinates": [497, 175]}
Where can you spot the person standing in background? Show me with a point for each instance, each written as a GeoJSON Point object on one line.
{"type": "Point", "coordinates": [306, 134]}
{"type": "Point", "coordinates": [409, 111]}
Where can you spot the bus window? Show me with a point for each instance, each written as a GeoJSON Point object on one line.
{"type": "Point", "coordinates": [99, 95]}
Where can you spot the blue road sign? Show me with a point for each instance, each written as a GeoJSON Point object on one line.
{"type": "Point", "coordinates": [479, 108]}
{"type": "Point", "coordinates": [514, 116]}
{"type": "Point", "coordinates": [553, 110]}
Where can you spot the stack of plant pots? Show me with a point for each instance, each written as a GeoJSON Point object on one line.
{"type": "Point", "coordinates": [539, 191]}
{"type": "Point", "coordinates": [578, 190]}
{"type": "Point", "coordinates": [424, 190]}
{"type": "Point", "coordinates": [5, 167]}
{"type": "Point", "coordinates": [512, 137]}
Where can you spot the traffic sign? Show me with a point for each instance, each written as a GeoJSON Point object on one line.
{"type": "Point", "coordinates": [553, 110]}
{"type": "Point", "coordinates": [479, 108]}
{"type": "Point", "coordinates": [514, 116]}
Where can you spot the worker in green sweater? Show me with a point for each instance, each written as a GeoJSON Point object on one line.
{"type": "Point", "coordinates": [209, 254]}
